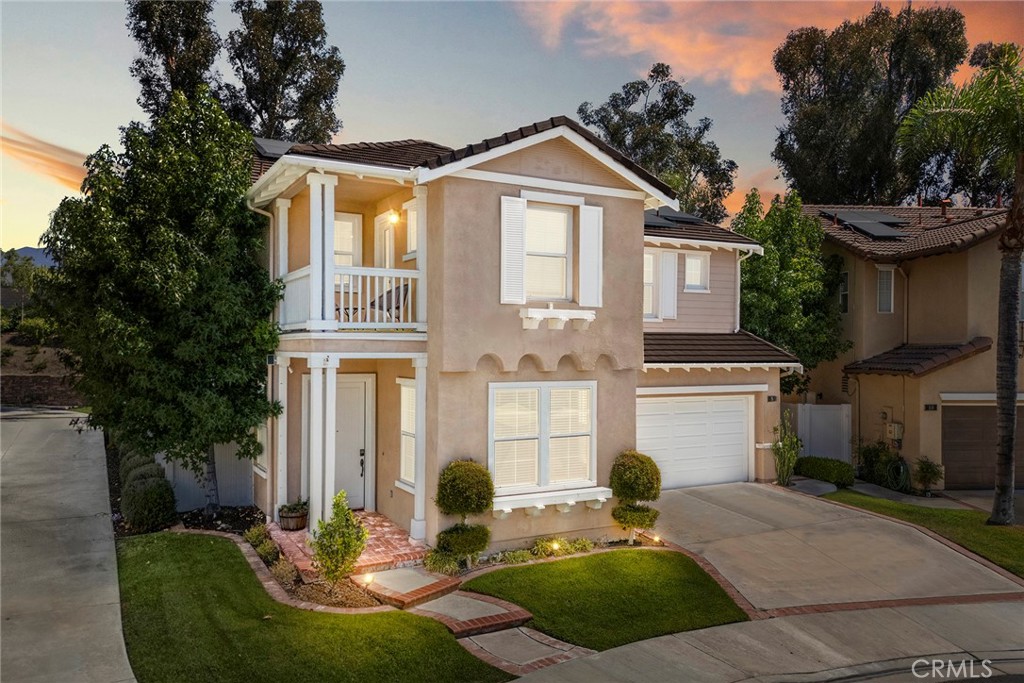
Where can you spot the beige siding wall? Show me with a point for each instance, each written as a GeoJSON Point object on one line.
{"type": "Point", "coordinates": [714, 311]}
{"type": "Point", "coordinates": [557, 160]}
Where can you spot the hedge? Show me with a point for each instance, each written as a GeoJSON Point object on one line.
{"type": "Point", "coordinates": [148, 504]}
{"type": "Point", "coordinates": [826, 469]}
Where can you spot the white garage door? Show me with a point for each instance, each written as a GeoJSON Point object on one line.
{"type": "Point", "coordinates": [696, 441]}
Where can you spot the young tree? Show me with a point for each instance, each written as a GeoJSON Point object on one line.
{"type": "Point", "coordinates": [646, 121]}
{"type": "Point", "coordinates": [790, 294]}
{"type": "Point", "coordinates": [178, 45]}
{"type": "Point", "coordinates": [988, 108]}
{"type": "Point", "coordinates": [845, 94]}
{"type": "Point", "coordinates": [288, 74]}
{"type": "Point", "coordinates": [159, 292]}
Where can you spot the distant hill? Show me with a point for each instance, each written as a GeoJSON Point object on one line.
{"type": "Point", "coordinates": [37, 254]}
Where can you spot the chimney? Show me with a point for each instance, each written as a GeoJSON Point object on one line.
{"type": "Point", "coordinates": [945, 205]}
{"type": "Point", "coordinates": [920, 200]}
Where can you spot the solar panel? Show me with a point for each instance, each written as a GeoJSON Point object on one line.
{"type": "Point", "coordinates": [875, 229]}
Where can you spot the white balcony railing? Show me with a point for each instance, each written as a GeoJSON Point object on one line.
{"type": "Point", "coordinates": [295, 306]}
{"type": "Point", "coordinates": [377, 298]}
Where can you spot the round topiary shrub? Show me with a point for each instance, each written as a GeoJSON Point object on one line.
{"type": "Point", "coordinates": [633, 516]}
{"type": "Point", "coordinates": [464, 540]}
{"type": "Point", "coordinates": [465, 488]}
{"type": "Point", "coordinates": [634, 477]}
{"type": "Point", "coordinates": [149, 470]}
{"type": "Point", "coordinates": [130, 461]}
{"type": "Point", "coordinates": [148, 504]}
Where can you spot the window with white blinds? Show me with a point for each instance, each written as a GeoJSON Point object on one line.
{"type": "Point", "coordinates": [650, 284]}
{"type": "Point", "coordinates": [697, 272]}
{"type": "Point", "coordinates": [542, 435]}
{"type": "Point", "coordinates": [548, 239]}
{"type": "Point", "coordinates": [885, 290]}
{"type": "Point", "coordinates": [407, 471]}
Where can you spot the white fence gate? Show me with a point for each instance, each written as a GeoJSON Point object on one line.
{"type": "Point", "coordinates": [824, 430]}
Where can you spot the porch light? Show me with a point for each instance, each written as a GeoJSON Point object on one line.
{"type": "Point", "coordinates": [393, 217]}
{"type": "Point", "coordinates": [554, 545]}
{"type": "Point", "coordinates": [657, 539]}
{"type": "Point", "coordinates": [367, 579]}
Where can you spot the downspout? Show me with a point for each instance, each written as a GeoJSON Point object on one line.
{"type": "Point", "coordinates": [906, 304]}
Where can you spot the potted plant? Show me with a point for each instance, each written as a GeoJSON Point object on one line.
{"type": "Point", "coordinates": [294, 516]}
{"type": "Point", "coordinates": [927, 473]}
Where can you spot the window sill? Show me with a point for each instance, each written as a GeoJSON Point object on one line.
{"type": "Point", "coordinates": [564, 501]}
{"type": "Point", "coordinates": [696, 291]}
{"type": "Point", "coordinates": [405, 486]}
{"type": "Point", "coordinates": [556, 318]}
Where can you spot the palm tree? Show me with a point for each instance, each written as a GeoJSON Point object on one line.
{"type": "Point", "coordinates": [990, 108]}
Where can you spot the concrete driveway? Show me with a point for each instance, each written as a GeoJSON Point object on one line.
{"type": "Point", "coordinates": [781, 549]}
{"type": "Point", "coordinates": [61, 612]}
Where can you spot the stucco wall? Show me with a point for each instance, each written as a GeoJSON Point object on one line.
{"type": "Point", "coordinates": [557, 160]}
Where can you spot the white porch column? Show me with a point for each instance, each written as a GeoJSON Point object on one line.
{"type": "Point", "coordinates": [418, 527]}
{"type": "Point", "coordinates": [420, 192]}
{"type": "Point", "coordinates": [330, 434]}
{"type": "Point", "coordinates": [316, 439]}
{"type": "Point", "coordinates": [328, 261]}
{"type": "Point", "coordinates": [321, 193]}
{"type": "Point", "coordinates": [281, 220]}
{"type": "Point", "coordinates": [281, 488]}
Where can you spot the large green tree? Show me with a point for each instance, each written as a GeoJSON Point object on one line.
{"type": "Point", "coordinates": [178, 45]}
{"type": "Point", "coordinates": [989, 110]}
{"type": "Point", "coordinates": [288, 76]}
{"type": "Point", "coordinates": [159, 291]}
{"type": "Point", "coordinates": [790, 294]}
{"type": "Point", "coordinates": [845, 93]}
{"type": "Point", "coordinates": [646, 121]}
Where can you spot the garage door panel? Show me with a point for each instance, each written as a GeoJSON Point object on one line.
{"type": "Point", "coordinates": [969, 447]}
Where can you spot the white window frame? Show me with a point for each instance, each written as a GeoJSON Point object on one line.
{"type": "Point", "coordinates": [705, 274]}
{"type": "Point", "coordinates": [844, 291]}
{"type": "Point", "coordinates": [891, 271]}
{"type": "Point", "coordinates": [357, 237]}
{"type": "Point", "coordinates": [544, 435]}
{"type": "Point", "coordinates": [410, 210]}
{"type": "Point", "coordinates": [655, 314]}
{"type": "Point", "coordinates": [570, 228]}
{"type": "Point", "coordinates": [403, 482]}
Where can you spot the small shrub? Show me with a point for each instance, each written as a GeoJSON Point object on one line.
{"type": "Point", "coordinates": [464, 488]}
{"type": "Point", "coordinates": [634, 516]}
{"type": "Point", "coordinates": [149, 470]}
{"type": "Point", "coordinates": [285, 572]}
{"type": "Point", "coordinates": [268, 552]}
{"type": "Point", "coordinates": [441, 562]}
{"type": "Point", "coordinates": [786, 450]}
{"type": "Point", "coordinates": [9, 320]}
{"type": "Point", "coordinates": [36, 330]}
{"type": "Point", "coordinates": [338, 543]}
{"type": "Point", "coordinates": [581, 545]}
{"type": "Point", "coordinates": [634, 477]}
{"type": "Point", "coordinates": [882, 466]}
{"type": "Point", "coordinates": [826, 469]}
{"type": "Point", "coordinates": [516, 556]}
{"type": "Point", "coordinates": [927, 473]}
{"type": "Point", "coordinates": [464, 540]}
{"type": "Point", "coordinates": [298, 506]}
{"type": "Point", "coordinates": [551, 546]}
{"type": "Point", "coordinates": [130, 461]}
{"type": "Point", "coordinates": [32, 352]}
{"type": "Point", "coordinates": [256, 535]}
{"type": "Point", "coordinates": [39, 366]}
{"type": "Point", "coordinates": [5, 354]}
{"type": "Point", "coordinates": [148, 504]}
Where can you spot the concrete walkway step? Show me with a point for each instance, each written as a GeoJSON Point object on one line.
{"type": "Point", "coordinates": [407, 587]}
{"type": "Point", "coordinates": [469, 614]}
{"type": "Point", "coordinates": [522, 650]}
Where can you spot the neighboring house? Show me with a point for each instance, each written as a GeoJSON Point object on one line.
{"type": "Point", "coordinates": [918, 299]}
{"type": "Point", "coordinates": [502, 302]}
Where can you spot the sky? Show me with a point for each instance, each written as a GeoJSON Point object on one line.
{"type": "Point", "coordinates": [451, 72]}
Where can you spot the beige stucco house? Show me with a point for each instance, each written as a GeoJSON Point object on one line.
{"type": "Point", "coordinates": [919, 294]}
{"type": "Point", "coordinates": [502, 302]}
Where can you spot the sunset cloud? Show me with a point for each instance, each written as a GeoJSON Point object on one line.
{"type": "Point", "coordinates": [60, 164]}
{"type": "Point", "coordinates": [723, 42]}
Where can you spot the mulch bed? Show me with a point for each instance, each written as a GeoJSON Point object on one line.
{"type": "Point", "coordinates": [235, 520]}
{"type": "Point", "coordinates": [345, 594]}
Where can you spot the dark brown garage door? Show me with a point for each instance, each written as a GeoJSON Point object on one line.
{"type": "Point", "coordinates": [969, 446]}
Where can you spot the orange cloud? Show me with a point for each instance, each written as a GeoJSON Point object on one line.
{"type": "Point", "coordinates": [768, 182]}
{"type": "Point", "coordinates": [61, 164]}
{"type": "Point", "coordinates": [726, 42]}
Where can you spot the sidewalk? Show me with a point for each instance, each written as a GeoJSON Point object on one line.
{"type": "Point", "coordinates": [61, 612]}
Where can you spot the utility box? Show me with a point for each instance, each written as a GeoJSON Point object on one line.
{"type": "Point", "coordinates": [894, 431]}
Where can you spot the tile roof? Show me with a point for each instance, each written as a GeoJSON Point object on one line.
{"type": "Point", "coordinates": [711, 348]}
{"type": "Point", "coordinates": [664, 222]}
{"type": "Point", "coordinates": [915, 360]}
{"type": "Point", "coordinates": [927, 232]}
{"type": "Point", "coordinates": [404, 154]}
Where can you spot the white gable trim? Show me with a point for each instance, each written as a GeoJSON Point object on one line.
{"type": "Point", "coordinates": [656, 241]}
{"type": "Point", "coordinates": [290, 167]}
{"type": "Point", "coordinates": [428, 174]}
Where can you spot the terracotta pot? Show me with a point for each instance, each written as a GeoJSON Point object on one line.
{"type": "Point", "coordinates": [293, 521]}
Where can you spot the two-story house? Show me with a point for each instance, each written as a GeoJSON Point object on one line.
{"type": "Point", "coordinates": [502, 302]}
{"type": "Point", "coordinates": [918, 300]}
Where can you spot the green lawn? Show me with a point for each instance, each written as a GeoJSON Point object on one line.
{"type": "Point", "coordinates": [609, 599]}
{"type": "Point", "coordinates": [1000, 544]}
{"type": "Point", "coordinates": [194, 611]}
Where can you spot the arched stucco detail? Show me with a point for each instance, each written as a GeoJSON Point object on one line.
{"type": "Point", "coordinates": [606, 360]}
{"type": "Point", "coordinates": [575, 360]}
{"type": "Point", "coordinates": [490, 362]}
{"type": "Point", "coordinates": [531, 358]}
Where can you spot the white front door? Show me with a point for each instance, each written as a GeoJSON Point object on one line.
{"type": "Point", "coordinates": [353, 468]}
{"type": "Point", "coordinates": [383, 242]}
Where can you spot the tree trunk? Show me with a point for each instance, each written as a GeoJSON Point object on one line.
{"type": "Point", "coordinates": [212, 508]}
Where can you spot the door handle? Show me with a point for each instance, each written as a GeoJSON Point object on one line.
{"type": "Point", "coordinates": [362, 462]}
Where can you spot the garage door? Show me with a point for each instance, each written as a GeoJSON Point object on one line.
{"type": "Point", "coordinates": [969, 446]}
{"type": "Point", "coordinates": [696, 441]}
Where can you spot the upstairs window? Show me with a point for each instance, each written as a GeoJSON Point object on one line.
{"type": "Point", "coordinates": [548, 249]}
{"type": "Point", "coordinates": [411, 227]}
{"type": "Point", "coordinates": [651, 284]}
{"type": "Point", "coordinates": [697, 272]}
{"type": "Point", "coordinates": [844, 292]}
{"type": "Point", "coordinates": [348, 229]}
{"type": "Point", "coordinates": [885, 290]}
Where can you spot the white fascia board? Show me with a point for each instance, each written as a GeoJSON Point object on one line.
{"type": "Point", "coordinates": [722, 366]}
{"type": "Point", "coordinates": [705, 389]}
{"type": "Point", "coordinates": [428, 174]}
{"type": "Point", "coordinates": [972, 397]}
{"type": "Point", "coordinates": [297, 162]}
{"type": "Point", "coordinates": [681, 243]}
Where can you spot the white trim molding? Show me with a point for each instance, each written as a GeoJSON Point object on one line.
{"type": "Point", "coordinates": [556, 318]}
{"type": "Point", "coordinates": [535, 503]}
{"type": "Point", "coordinates": [658, 241]}
{"type": "Point", "coordinates": [969, 397]}
{"type": "Point", "coordinates": [547, 184]}
{"type": "Point", "coordinates": [551, 198]}
{"type": "Point", "coordinates": [722, 366]}
{"type": "Point", "coordinates": [704, 389]}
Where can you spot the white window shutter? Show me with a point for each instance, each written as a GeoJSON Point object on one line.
{"type": "Point", "coordinates": [591, 249]}
{"type": "Point", "coordinates": [513, 250]}
{"type": "Point", "coordinates": [669, 285]}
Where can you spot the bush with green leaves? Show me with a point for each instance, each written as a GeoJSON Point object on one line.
{"type": "Point", "coordinates": [464, 540]}
{"type": "Point", "coordinates": [36, 330]}
{"type": "Point", "coordinates": [883, 466]}
{"type": "Point", "coordinates": [825, 469]}
{"type": "Point", "coordinates": [927, 473]}
{"type": "Point", "coordinates": [635, 477]}
{"type": "Point", "coordinates": [285, 572]}
{"type": "Point", "coordinates": [129, 461]}
{"type": "Point", "coordinates": [464, 488]}
{"type": "Point", "coordinates": [441, 562]}
{"type": "Point", "coordinates": [338, 542]}
{"type": "Point", "coordinates": [148, 504]}
{"type": "Point", "coordinates": [516, 556]}
{"type": "Point", "coordinates": [268, 552]}
{"type": "Point", "coordinates": [786, 449]}
{"type": "Point", "coordinates": [255, 535]}
{"type": "Point", "coordinates": [149, 470]}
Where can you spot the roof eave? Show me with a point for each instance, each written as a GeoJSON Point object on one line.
{"type": "Point", "coordinates": [290, 167]}
{"type": "Point", "coordinates": [697, 242]}
{"type": "Point", "coordinates": [749, 365]}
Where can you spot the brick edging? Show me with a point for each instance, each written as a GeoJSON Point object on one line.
{"type": "Point", "coordinates": [480, 571]}
{"type": "Point", "coordinates": [988, 564]}
{"type": "Point", "coordinates": [270, 584]}
{"type": "Point", "coordinates": [567, 653]}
